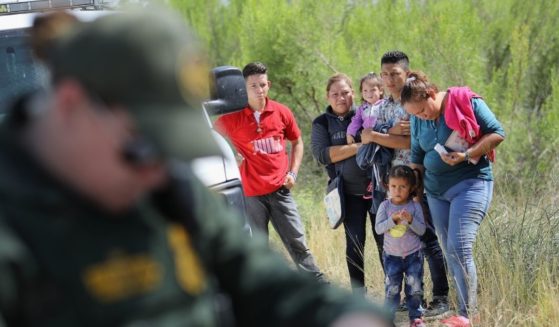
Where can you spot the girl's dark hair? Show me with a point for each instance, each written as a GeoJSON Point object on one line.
{"type": "Point", "coordinates": [405, 172]}
{"type": "Point", "coordinates": [375, 80]}
{"type": "Point", "coordinates": [416, 88]}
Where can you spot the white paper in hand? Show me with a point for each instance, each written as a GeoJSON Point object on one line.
{"type": "Point", "coordinates": [440, 149]}
{"type": "Point", "coordinates": [458, 144]}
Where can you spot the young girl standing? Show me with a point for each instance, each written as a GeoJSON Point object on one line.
{"type": "Point", "coordinates": [401, 221]}
{"type": "Point", "coordinates": [366, 116]}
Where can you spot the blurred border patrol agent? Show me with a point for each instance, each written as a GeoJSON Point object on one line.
{"type": "Point", "coordinates": [93, 230]}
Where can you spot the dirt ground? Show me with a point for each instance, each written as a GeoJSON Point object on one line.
{"type": "Point", "coordinates": [403, 321]}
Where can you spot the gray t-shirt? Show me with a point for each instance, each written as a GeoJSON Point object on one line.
{"type": "Point", "coordinates": [396, 243]}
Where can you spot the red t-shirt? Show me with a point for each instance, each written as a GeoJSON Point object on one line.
{"type": "Point", "coordinates": [262, 145]}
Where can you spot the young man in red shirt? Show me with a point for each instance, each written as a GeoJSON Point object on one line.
{"type": "Point", "coordinates": [258, 133]}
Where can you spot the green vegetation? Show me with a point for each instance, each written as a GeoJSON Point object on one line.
{"type": "Point", "coordinates": [506, 50]}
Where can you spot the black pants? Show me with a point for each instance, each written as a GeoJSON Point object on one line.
{"type": "Point", "coordinates": [357, 210]}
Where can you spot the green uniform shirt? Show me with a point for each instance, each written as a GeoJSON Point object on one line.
{"type": "Point", "coordinates": [65, 262]}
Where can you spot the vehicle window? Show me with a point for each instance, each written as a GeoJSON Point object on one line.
{"type": "Point", "coordinates": [19, 72]}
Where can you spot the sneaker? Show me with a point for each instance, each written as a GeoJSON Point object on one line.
{"type": "Point", "coordinates": [402, 307]}
{"type": "Point", "coordinates": [369, 193]}
{"type": "Point", "coordinates": [456, 321]}
{"type": "Point", "coordinates": [437, 307]}
{"type": "Point", "coordinates": [417, 322]}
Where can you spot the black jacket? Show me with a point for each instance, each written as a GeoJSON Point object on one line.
{"type": "Point", "coordinates": [330, 130]}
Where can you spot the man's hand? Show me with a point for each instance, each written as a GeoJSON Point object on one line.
{"type": "Point", "coordinates": [400, 128]}
{"type": "Point", "coordinates": [350, 139]}
{"type": "Point", "coordinates": [297, 150]}
{"type": "Point", "coordinates": [289, 181]}
{"type": "Point", "coordinates": [367, 136]}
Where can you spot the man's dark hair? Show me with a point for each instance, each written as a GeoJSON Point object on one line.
{"type": "Point", "coordinates": [396, 57]}
{"type": "Point", "coordinates": [254, 68]}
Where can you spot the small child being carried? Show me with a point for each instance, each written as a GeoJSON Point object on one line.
{"type": "Point", "coordinates": [401, 221]}
{"type": "Point", "coordinates": [366, 115]}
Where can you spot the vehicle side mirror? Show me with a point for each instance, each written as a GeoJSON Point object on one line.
{"type": "Point", "coordinates": [227, 91]}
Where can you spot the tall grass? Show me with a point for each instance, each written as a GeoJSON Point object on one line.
{"type": "Point", "coordinates": [517, 254]}
{"type": "Point", "coordinates": [516, 251]}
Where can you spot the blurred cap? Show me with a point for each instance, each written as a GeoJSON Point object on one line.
{"type": "Point", "coordinates": [151, 64]}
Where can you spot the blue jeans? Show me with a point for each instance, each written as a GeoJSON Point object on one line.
{"type": "Point", "coordinates": [457, 215]}
{"type": "Point", "coordinates": [395, 268]}
{"type": "Point", "coordinates": [280, 209]}
{"type": "Point", "coordinates": [435, 258]}
{"type": "Point", "coordinates": [356, 211]}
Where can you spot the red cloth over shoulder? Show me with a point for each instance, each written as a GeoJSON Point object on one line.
{"type": "Point", "coordinates": [459, 115]}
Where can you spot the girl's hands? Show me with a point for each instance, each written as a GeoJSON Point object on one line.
{"type": "Point", "coordinates": [406, 216]}
{"type": "Point", "coordinates": [400, 216]}
{"type": "Point", "coordinates": [396, 217]}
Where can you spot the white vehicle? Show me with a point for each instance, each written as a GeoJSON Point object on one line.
{"type": "Point", "coordinates": [21, 73]}
{"type": "Point", "coordinates": [228, 94]}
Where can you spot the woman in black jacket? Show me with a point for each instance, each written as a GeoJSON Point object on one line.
{"type": "Point", "coordinates": [330, 148]}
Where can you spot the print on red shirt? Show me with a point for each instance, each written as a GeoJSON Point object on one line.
{"type": "Point", "coordinates": [267, 145]}
{"type": "Point", "coordinates": [262, 145]}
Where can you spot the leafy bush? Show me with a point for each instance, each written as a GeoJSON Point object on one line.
{"type": "Point", "coordinates": [507, 51]}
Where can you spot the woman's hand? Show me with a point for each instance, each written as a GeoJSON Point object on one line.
{"type": "Point", "coordinates": [453, 158]}
{"type": "Point", "coordinates": [400, 128]}
{"type": "Point", "coordinates": [341, 152]}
